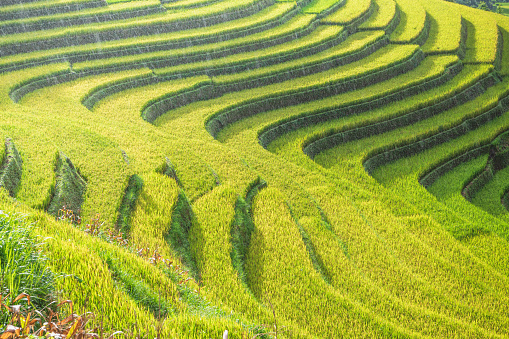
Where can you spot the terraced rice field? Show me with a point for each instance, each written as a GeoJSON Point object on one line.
{"type": "Point", "coordinates": [307, 169]}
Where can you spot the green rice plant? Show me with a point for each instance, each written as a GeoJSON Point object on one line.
{"type": "Point", "coordinates": [318, 40]}
{"type": "Point", "coordinates": [40, 78]}
{"type": "Point", "coordinates": [270, 264]}
{"type": "Point", "coordinates": [386, 13]}
{"type": "Point", "coordinates": [344, 219]}
{"type": "Point", "coordinates": [178, 233]}
{"type": "Point", "coordinates": [504, 69]}
{"type": "Point", "coordinates": [115, 85]}
{"type": "Point", "coordinates": [489, 99]}
{"type": "Point", "coordinates": [168, 169]}
{"type": "Point", "coordinates": [139, 292]}
{"type": "Point", "coordinates": [149, 224]}
{"type": "Point", "coordinates": [339, 254]}
{"type": "Point", "coordinates": [467, 78]}
{"type": "Point", "coordinates": [412, 23]}
{"type": "Point", "coordinates": [490, 196]}
{"type": "Point", "coordinates": [332, 214]}
{"type": "Point", "coordinates": [450, 125]}
{"type": "Point", "coordinates": [11, 168]}
{"type": "Point", "coordinates": [242, 227]}
{"type": "Point", "coordinates": [326, 206]}
{"type": "Point", "coordinates": [43, 6]}
{"type": "Point", "coordinates": [186, 4]}
{"type": "Point", "coordinates": [443, 102]}
{"type": "Point", "coordinates": [449, 165]}
{"type": "Point", "coordinates": [192, 89]}
{"type": "Point", "coordinates": [91, 285]}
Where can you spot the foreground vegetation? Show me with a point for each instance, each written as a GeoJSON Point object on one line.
{"type": "Point", "coordinates": [299, 169]}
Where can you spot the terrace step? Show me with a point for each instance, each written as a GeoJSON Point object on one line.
{"type": "Point", "coordinates": [170, 22]}
{"type": "Point", "coordinates": [297, 28]}
{"type": "Point", "coordinates": [470, 122]}
{"type": "Point", "coordinates": [268, 18]}
{"type": "Point", "coordinates": [21, 12]}
{"type": "Point", "coordinates": [351, 15]}
{"type": "Point", "coordinates": [250, 60]}
{"type": "Point", "coordinates": [364, 104]}
{"type": "Point", "coordinates": [386, 16]}
{"type": "Point", "coordinates": [470, 93]}
{"type": "Point", "coordinates": [414, 24]}
{"type": "Point", "coordinates": [342, 81]}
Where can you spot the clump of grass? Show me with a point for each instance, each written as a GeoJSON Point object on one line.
{"type": "Point", "coordinates": [177, 236]}
{"type": "Point", "coordinates": [23, 268]}
{"type": "Point", "coordinates": [10, 170]}
{"type": "Point", "coordinates": [128, 203]}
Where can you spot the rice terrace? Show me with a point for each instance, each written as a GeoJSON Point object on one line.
{"type": "Point", "coordinates": [253, 169]}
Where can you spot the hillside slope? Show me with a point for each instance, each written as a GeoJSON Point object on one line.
{"type": "Point", "coordinates": [342, 163]}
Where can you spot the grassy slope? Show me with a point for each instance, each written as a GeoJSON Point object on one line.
{"type": "Point", "coordinates": [328, 241]}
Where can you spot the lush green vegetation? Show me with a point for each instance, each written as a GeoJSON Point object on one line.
{"type": "Point", "coordinates": [299, 169]}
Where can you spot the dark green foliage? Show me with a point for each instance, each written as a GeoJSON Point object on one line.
{"type": "Point", "coordinates": [487, 5]}
{"type": "Point", "coordinates": [10, 171]}
{"type": "Point", "coordinates": [242, 227]}
{"type": "Point", "coordinates": [464, 232]}
{"type": "Point", "coordinates": [177, 236]}
{"type": "Point", "coordinates": [23, 268]}
{"type": "Point", "coordinates": [504, 200]}
{"type": "Point", "coordinates": [169, 170]}
{"type": "Point", "coordinates": [69, 189]}
{"type": "Point", "coordinates": [128, 204]}
{"type": "Point", "coordinates": [140, 292]}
